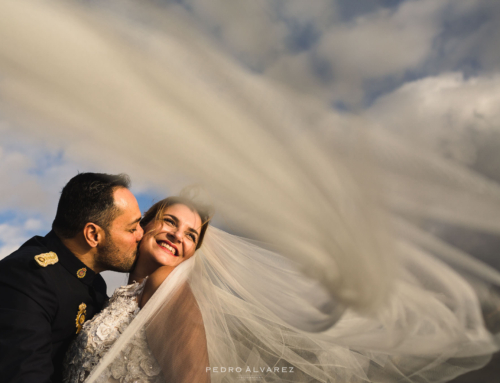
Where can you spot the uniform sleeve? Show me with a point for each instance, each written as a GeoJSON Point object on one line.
{"type": "Point", "coordinates": [25, 334]}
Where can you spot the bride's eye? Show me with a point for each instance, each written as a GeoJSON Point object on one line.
{"type": "Point", "coordinates": [192, 237]}
{"type": "Point", "coordinates": [169, 221]}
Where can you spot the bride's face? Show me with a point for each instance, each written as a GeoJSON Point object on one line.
{"type": "Point", "coordinates": [174, 239]}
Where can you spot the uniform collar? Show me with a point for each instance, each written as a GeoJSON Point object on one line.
{"type": "Point", "coordinates": [69, 261]}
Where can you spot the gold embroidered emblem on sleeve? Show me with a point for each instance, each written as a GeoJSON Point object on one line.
{"type": "Point", "coordinates": [80, 317]}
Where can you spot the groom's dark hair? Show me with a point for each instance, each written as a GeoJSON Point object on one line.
{"type": "Point", "coordinates": [87, 197]}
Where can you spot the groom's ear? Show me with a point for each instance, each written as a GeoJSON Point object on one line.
{"type": "Point", "coordinates": [93, 234]}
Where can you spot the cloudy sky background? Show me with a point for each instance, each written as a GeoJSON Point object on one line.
{"type": "Point", "coordinates": [428, 70]}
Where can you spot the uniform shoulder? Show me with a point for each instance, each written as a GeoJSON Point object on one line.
{"type": "Point", "coordinates": [25, 254]}
{"type": "Point", "coordinates": [27, 264]}
{"type": "Point", "coordinates": [25, 283]}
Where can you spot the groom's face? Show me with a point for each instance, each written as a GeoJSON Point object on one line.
{"type": "Point", "coordinates": [119, 248]}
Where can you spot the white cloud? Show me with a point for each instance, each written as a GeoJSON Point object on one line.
{"type": "Point", "coordinates": [458, 117]}
{"type": "Point", "coordinates": [33, 170]}
{"type": "Point", "coordinates": [33, 224]}
{"type": "Point", "coordinates": [20, 189]}
{"type": "Point", "coordinates": [296, 71]}
{"type": "Point", "coordinates": [249, 29]}
{"type": "Point", "coordinates": [384, 43]}
{"type": "Point", "coordinates": [380, 46]}
{"type": "Point", "coordinates": [471, 37]}
{"type": "Point", "coordinates": [319, 14]}
{"type": "Point", "coordinates": [14, 235]}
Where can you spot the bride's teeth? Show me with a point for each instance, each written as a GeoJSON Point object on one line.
{"type": "Point", "coordinates": [168, 247]}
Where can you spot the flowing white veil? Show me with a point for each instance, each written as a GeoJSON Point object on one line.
{"type": "Point", "coordinates": [266, 321]}
{"type": "Point", "coordinates": [347, 284]}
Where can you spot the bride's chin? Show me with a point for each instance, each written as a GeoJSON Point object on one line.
{"type": "Point", "coordinates": [165, 259]}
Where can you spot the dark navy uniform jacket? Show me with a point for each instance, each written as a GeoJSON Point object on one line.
{"type": "Point", "coordinates": [39, 308]}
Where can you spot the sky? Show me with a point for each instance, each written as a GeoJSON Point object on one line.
{"type": "Point", "coordinates": [428, 70]}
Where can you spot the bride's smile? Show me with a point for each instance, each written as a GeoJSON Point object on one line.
{"type": "Point", "coordinates": [168, 247]}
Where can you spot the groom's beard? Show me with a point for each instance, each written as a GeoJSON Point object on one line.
{"type": "Point", "coordinates": [110, 257]}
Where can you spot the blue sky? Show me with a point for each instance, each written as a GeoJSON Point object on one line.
{"type": "Point", "coordinates": [425, 69]}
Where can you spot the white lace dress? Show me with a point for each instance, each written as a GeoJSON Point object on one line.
{"type": "Point", "coordinates": [136, 365]}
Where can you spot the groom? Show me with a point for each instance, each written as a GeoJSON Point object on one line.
{"type": "Point", "coordinates": [51, 285]}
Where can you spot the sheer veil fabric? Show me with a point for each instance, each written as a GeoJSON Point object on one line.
{"type": "Point", "coordinates": [347, 283]}
{"type": "Point", "coordinates": [264, 320]}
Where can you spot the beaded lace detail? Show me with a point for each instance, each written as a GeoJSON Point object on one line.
{"type": "Point", "coordinates": [136, 363]}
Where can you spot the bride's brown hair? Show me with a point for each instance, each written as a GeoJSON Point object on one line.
{"type": "Point", "coordinates": [189, 196]}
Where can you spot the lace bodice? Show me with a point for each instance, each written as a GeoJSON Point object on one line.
{"type": "Point", "coordinates": [136, 364]}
